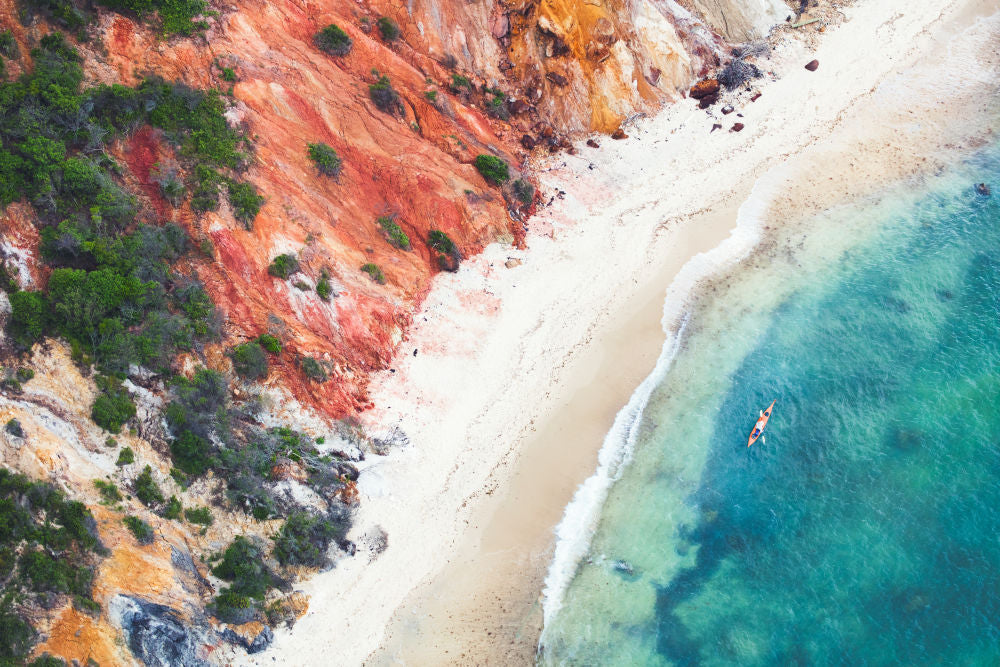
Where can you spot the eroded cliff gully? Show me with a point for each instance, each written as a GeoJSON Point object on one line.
{"type": "Point", "coordinates": [565, 67]}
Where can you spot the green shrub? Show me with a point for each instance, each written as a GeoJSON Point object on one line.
{"type": "Point", "coordinates": [397, 236]}
{"type": "Point", "coordinates": [270, 343]}
{"type": "Point", "coordinates": [458, 82]}
{"type": "Point", "coordinates": [374, 272]}
{"type": "Point", "coordinates": [385, 96]}
{"type": "Point", "coordinates": [142, 531]}
{"type": "Point", "coordinates": [431, 96]}
{"type": "Point", "coordinates": [28, 318]}
{"type": "Point", "coordinates": [172, 510]}
{"type": "Point", "coordinates": [492, 168]}
{"type": "Point", "coordinates": [323, 288]}
{"type": "Point", "coordinates": [24, 374]}
{"type": "Point", "coordinates": [191, 453]}
{"type": "Point", "coordinates": [249, 361]}
{"type": "Point", "coordinates": [333, 40]}
{"type": "Point", "coordinates": [245, 201]}
{"type": "Point", "coordinates": [388, 29]}
{"type": "Point", "coordinates": [8, 45]}
{"type": "Point", "coordinates": [283, 266]}
{"type": "Point", "coordinates": [228, 74]}
{"type": "Point", "coordinates": [112, 408]}
{"type": "Point", "coordinates": [496, 104]}
{"type": "Point", "coordinates": [327, 161]}
{"type": "Point", "coordinates": [524, 191]}
{"type": "Point", "coordinates": [199, 515]}
{"type": "Point", "coordinates": [125, 457]}
{"type": "Point", "coordinates": [441, 242]}
{"type": "Point", "coordinates": [109, 492]}
{"type": "Point", "coordinates": [242, 565]}
{"type": "Point", "coordinates": [304, 540]}
{"type": "Point", "coordinates": [146, 489]}
{"type": "Point", "coordinates": [13, 427]}
{"type": "Point", "coordinates": [313, 369]}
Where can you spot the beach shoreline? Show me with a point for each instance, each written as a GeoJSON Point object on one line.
{"type": "Point", "coordinates": [469, 398]}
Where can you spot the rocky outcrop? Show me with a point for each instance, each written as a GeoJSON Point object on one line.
{"type": "Point", "coordinates": [155, 633]}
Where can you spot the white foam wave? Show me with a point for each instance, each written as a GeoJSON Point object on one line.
{"type": "Point", "coordinates": [576, 529]}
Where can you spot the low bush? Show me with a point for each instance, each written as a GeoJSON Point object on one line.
{"type": "Point", "coordinates": [385, 96]}
{"type": "Point", "coordinates": [492, 168]}
{"type": "Point", "coordinates": [245, 201]}
{"type": "Point", "coordinates": [458, 82]}
{"type": "Point", "coordinates": [229, 74]}
{"type": "Point", "coordinates": [109, 492]}
{"type": "Point", "coordinates": [388, 29]}
{"type": "Point", "coordinates": [142, 531]}
{"type": "Point", "coordinates": [8, 45]}
{"type": "Point", "coordinates": [13, 426]}
{"type": "Point", "coordinates": [524, 191]}
{"type": "Point", "coordinates": [323, 287]}
{"type": "Point", "coordinates": [333, 40]}
{"type": "Point", "coordinates": [326, 159]}
{"type": "Point", "coordinates": [431, 95]}
{"type": "Point", "coordinates": [304, 540]}
{"type": "Point", "coordinates": [113, 407]}
{"type": "Point", "coordinates": [374, 272]}
{"type": "Point", "coordinates": [125, 457]}
{"type": "Point", "coordinates": [172, 510]}
{"type": "Point", "coordinates": [199, 515]}
{"type": "Point", "coordinates": [397, 237]}
{"type": "Point", "coordinates": [270, 343]}
{"type": "Point", "coordinates": [283, 266]}
{"type": "Point", "coordinates": [242, 564]}
{"type": "Point", "coordinates": [441, 242]}
{"type": "Point", "coordinates": [249, 361]}
{"type": "Point", "coordinates": [313, 369]}
{"type": "Point", "coordinates": [146, 489]}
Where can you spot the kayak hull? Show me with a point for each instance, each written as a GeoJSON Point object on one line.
{"type": "Point", "coordinates": [758, 428]}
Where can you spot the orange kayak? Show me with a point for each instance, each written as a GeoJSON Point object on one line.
{"type": "Point", "coordinates": [758, 428]}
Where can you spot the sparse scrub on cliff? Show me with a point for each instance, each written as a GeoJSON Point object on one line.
{"type": "Point", "coordinates": [249, 361]}
{"type": "Point", "coordinates": [388, 29]}
{"type": "Point", "coordinates": [326, 159]}
{"type": "Point", "coordinates": [493, 169]}
{"type": "Point", "coordinates": [313, 369]}
{"type": "Point", "coordinates": [431, 95]}
{"type": "Point", "coordinates": [146, 489]}
{"type": "Point", "coordinates": [142, 531]}
{"type": "Point", "coordinates": [48, 547]}
{"type": "Point", "coordinates": [8, 45]}
{"type": "Point", "coordinates": [13, 427]}
{"type": "Point", "coordinates": [198, 411]}
{"type": "Point", "coordinates": [523, 190]}
{"type": "Point", "coordinates": [283, 266]}
{"type": "Point", "coordinates": [109, 492]}
{"type": "Point", "coordinates": [374, 272]}
{"type": "Point", "coordinates": [397, 237]}
{"type": "Point", "coordinates": [245, 201]}
{"type": "Point", "coordinates": [172, 509]}
{"type": "Point", "coordinates": [243, 566]}
{"type": "Point", "coordinates": [304, 539]}
{"type": "Point", "coordinates": [385, 96]}
{"type": "Point", "coordinates": [739, 70]}
{"type": "Point", "coordinates": [270, 343]}
{"type": "Point", "coordinates": [333, 40]}
{"type": "Point", "coordinates": [458, 82]}
{"type": "Point", "coordinates": [199, 515]}
{"type": "Point", "coordinates": [125, 457]}
{"type": "Point", "coordinates": [323, 287]}
{"type": "Point", "coordinates": [496, 104]}
{"type": "Point", "coordinates": [164, 174]}
{"type": "Point", "coordinates": [448, 257]}
{"type": "Point", "coordinates": [113, 407]}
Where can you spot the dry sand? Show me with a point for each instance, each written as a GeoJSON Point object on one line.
{"type": "Point", "coordinates": [519, 371]}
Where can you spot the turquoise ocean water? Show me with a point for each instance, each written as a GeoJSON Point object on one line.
{"type": "Point", "coordinates": [866, 530]}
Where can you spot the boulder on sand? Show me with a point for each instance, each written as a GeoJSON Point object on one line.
{"type": "Point", "coordinates": [704, 88]}
{"type": "Point", "coordinates": [812, 65]}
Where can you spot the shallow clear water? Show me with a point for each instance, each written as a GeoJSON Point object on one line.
{"type": "Point", "coordinates": [866, 530]}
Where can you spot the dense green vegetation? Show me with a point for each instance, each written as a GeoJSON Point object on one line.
{"type": "Point", "coordinates": [243, 565]}
{"type": "Point", "coordinates": [175, 17]}
{"type": "Point", "coordinates": [397, 236]}
{"type": "Point", "coordinates": [48, 547]}
{"type": "Point", "coordinates": [492, 168]}
{"type": "Point", "coordinates": [304, 539]}
{"type": "Point", "coordinates": [323, 287]}
{"type": "Point", "coordinates": [125, 457]}
{"type": "Point", "coordinates": [448, 257]}
{"type": "Point", "coordinates": [270, 343]}
{"type": "Point", "coordinates": [374, 272]}
{"type": "Point", "coordinates": [146, 489]}
{"type": "Point", "coordinates": [283, 266]}
{"type": "Point", "coordinates": [113, 407]}
{"type": "Point", "coordinates": [385, 96]}
{"type": "Point", "coordinates": [249, 361]}
{"type": "Point", "coordinates": [142, 531]}
{"type": "Point", "coordinates": [327, 161]}
{"type": "Point", "coordinates": [388, 29]}
{"type": "Point", "coordinates": [333, 40]}
{"type": "Point", "coordinates": [172, 509]}
{"type": "Point", "coordinates": [199, 515]}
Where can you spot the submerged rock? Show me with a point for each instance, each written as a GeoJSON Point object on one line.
{"type": "Point", "coordinates": [983, 189]}
{"type": "Point", "coordinates": [155, 633]}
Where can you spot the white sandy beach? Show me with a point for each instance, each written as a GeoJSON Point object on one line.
{"type": "Point", "coordinates": [501, 352]}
